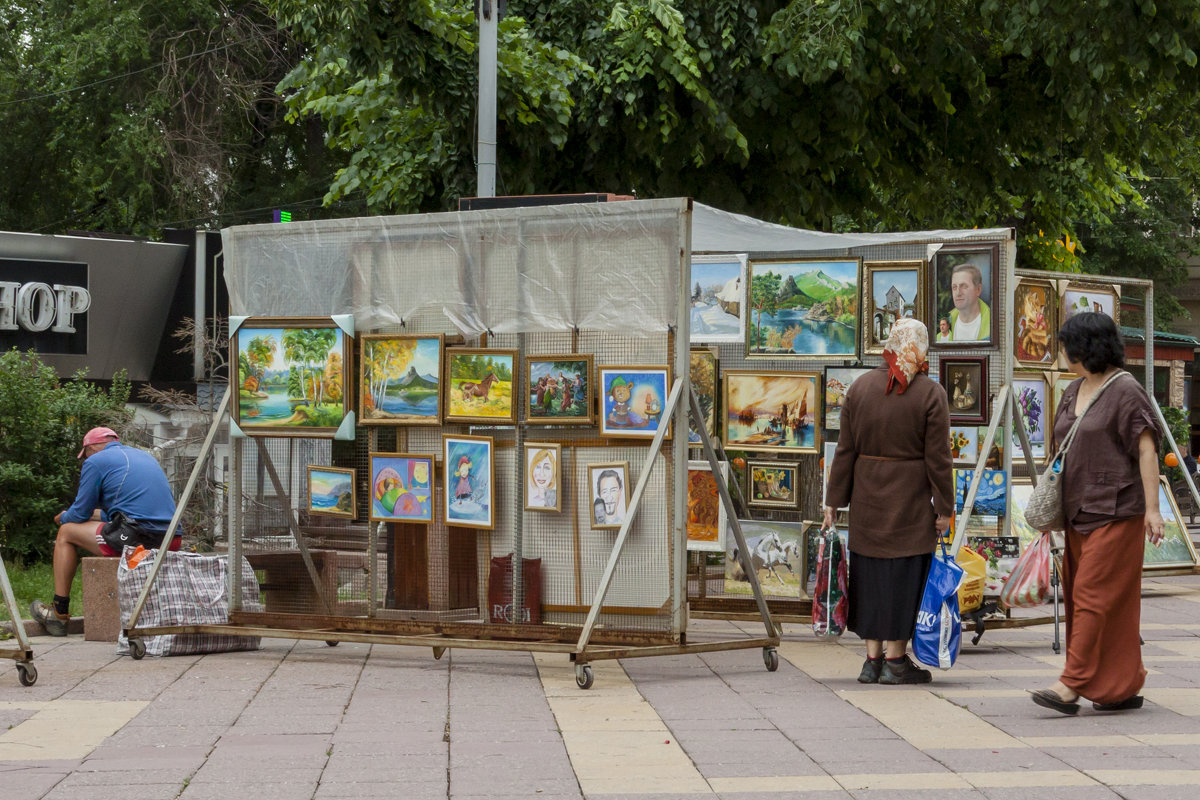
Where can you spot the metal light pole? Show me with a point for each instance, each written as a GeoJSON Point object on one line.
{"type": "Point", "coordinates": [485, 182]}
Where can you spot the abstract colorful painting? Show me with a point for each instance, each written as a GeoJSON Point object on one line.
{"type": "Point", "coordinates": [291, 376]}
{"type": "Point", "coordinates": [1036, 305]}
{"type": "Point", "coordinates": [774, 411]}
{"type": "Point", "coordinates": [634, 396]}
{"type": "Point", "coordinates": [468, 481]}
{"type": "Point", "coordinates": [893, 290]}
{"type": "Point", "coordinates": [400, 380]}
{"type": "Point", "coordinates": [837, 383]}
{"type": "Point", "coordinates": [704, 377]}
{"type": "Point", "coordinates": [776, 552]}
{"type": "Point", "coordinates": [401, 487]}
{"type": "Point", "coordinates": [559, 389]}
{"type": "Point", "coordinates": [331, 491]}
{"type": "Point", "coordinates": [479, 386]}
{"type": "Point", "coordinates": [772, 484]}
{"type": "Point", "coordinates": [718, 298]}
{"type": "Point", "coordinates": [803, 309]}
{"type": "Point", "coordinates": [706, 521]}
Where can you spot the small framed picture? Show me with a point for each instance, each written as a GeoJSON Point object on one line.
{"type": "Point", "coordinates": [964, 444]}
{"type": "Point", "coordinates": [704, 377]}
{"type": "Point", "coordinates": [609, 487]}
{"type": "Point", "coordinates": [634, 396]}
{"type": "Point", "coordinates": [401, 487]}
{"type": "Point", "coordinates": [718, 298]}
{"type": "Point", "coordinates": [559, 389]}
{"type": "Point", "coordinates": [965, 380]}
{"type": "Point", "coordinates": [400, 379]}
{"type": "Point", "coordinates": [543, 476]}
{"type": "Point", "coordinates": [803, 309]}
{"type": "Point", "coordinates": [479, 386]}
{"type": "Point", "coordinates": [963, 288]}
{"type": "Point", "coordinates": [1035, 307]}
{"type": "Point", "coordinates": [331, 492]}
{"type": "Point", "coordinates": [469, 478]}
{"type": "Point", "coordinates": [1033, 393]}
{"type": "Point", "coordinates": [771, 411]}
{"type": "Point", "coordinates": [837, 383]}
{"type": "Point", "coordinates": [1082, 296]}
{"type": "Point", "coordinates": [772, 484]}
{"type": "Point", "coordinates": [892, 290]}
{"type": "Point", "coordinates": [706, 520]}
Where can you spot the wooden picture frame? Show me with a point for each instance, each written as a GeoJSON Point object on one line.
{"type": "Point", "coordinates": [400, 379]}
{"type": "Point", "coordinates": [633, 399]}
{"type": "Point", "coordinates": [772, 484]}
{"type": "Point", "coordinates": [543, 490]}
{"type": "Point", "coordinates": [755, 403]}
{"type": "Point", "coordinates": [1176, 550]}
{"type": "Point", "coordinates": [402, 487]}
{"type": "Point", "coordinates": [718, 311]}
{"type": "Point", "coordinates": [548, 379]}
{"type": "Point", "coordinates": [891, 290]}
{"type": "Point", "coordinates": [803, 309]}
{"type": "Point", "coordinates": [480, 384]}
{"type": "Point", "coordinates": [705, 376]}
{"type": "Point", "coordinates": [608, 503]}
{"type": "Point", "coordinates": [1102, 297]}
{"type": "Point", "coordinates": [1035, 326]}
{"type": "Point", "coordinates": [469, 496]}
{"type": "Point", "coordinates": [977, 262]}
{"type": "Point", "coordinates": [706, 519]}
{"type": "Point", "coordinates": [965, 379]}
{"type": "Point", "coordinates": [1033, 394]}
{"type": "Point", "coordinates": [331, 492]}
{"type": "Point", "coordinates": [291, 376]}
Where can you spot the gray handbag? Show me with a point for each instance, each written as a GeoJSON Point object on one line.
{"type": "Point", "coordinates": [1044, 511]}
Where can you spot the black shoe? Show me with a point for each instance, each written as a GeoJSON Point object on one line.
{"type": "Point", "coordinates": [903, 671]}
{"type": "Point", "coordinates": [870, 671]}
{"type": "Point", "coordinates": [48, 618]}
{"type": "Point", "coordinates": [1048, 698]}
{"type": "Point", "coordinates": [1128, 704]}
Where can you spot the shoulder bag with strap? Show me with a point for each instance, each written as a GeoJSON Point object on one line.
{"type": "Point", "coordinates": [1044, 510]}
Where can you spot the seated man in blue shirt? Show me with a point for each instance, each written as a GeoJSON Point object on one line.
{"type": "Point", "coordinates": [115, 481]}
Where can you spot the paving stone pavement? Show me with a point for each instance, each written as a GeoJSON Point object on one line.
{"type": "Point", "coordinates": [303, 721]}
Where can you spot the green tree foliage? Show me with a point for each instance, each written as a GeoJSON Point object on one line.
{"type": "Point", "coordinates": [42, 422]}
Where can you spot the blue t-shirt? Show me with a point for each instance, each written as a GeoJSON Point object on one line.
{"type": "Point", "coordinates": [125, 479]}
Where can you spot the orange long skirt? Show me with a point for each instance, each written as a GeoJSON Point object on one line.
{"type": "Point", "coordinates": [1102, 583]}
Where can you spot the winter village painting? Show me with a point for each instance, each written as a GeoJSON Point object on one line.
{"type": "Point", "coordinates": [718, 298]}
{"type": "Point", "coordinates": [803, 309]}
{"type": "Point", "coordinates": [400, 380]}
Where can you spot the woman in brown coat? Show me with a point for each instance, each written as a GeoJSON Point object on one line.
{"type": "Point", "coordinates": [1110, 503]}
{"type": "Point", "coordinates": [893, 468]}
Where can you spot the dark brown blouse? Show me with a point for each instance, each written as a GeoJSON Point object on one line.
{"type": "Point", "coordinates": [1102, 482]}
{"type": "Point", "coordinates": [892, 465]}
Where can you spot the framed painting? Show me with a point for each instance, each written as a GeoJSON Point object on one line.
{"type": "Point", "coordinates": [1035, 309]}
{"type": "Point", "coordinates": [891, 290]}
{"type": "Point", "coordinates": [479, 386]}
{"type": "Point", "coordinates": [826, 469]}
{"type": "Point", "coordinates": [1058, 385]}
{"type": "Point", "coordinates": [400, 379]}
{"type": "Point", "coordinates": [772, 484]}
{"type": "Point", "coordinates": [1081, 296]}
{"type": "Point", "coordinates": [803, 309]}
{"type": "Point", "coordinates": [772, 411]}
{"type": "Point", "coordinates": [331, 492]}
{"type": "Point", "coordinates": [965, 443]}
{"type": "Point", "coordinates": [704, 377]}
{"type": "Point", "coordinates": [608, 484]}
{"type": "Point", "coordinates": [292, 376]}
{"type": "Point", "coordinates": [991, 497]}
{"type": "Point", "coordinates": [634, 396]}
{"type": "Point", "coordinates": [718, 298]}
{"type": "Point", "coordinates": [543, 476]}
{"type": "Point", "coordinates": [776, 554]}
{"type": "Point", "coordinates": [468, 481]}
{"type": "Point", "coordinates": [706, 521]}
{"type": "Point", "coordinates": [1176, 549]}
{"type": "Point", "coordinates": [963, 294]}
{"type": "Point", "coordinates": [559, 390]}
{"type": "Point", "coordinates": [965, 380]}
{"type": "Point", "coordinates": [837, 382]}
{"type": "Point", "coordinates": [1033, 400]}
{"type": "Point", "coordinates": [401, 487]}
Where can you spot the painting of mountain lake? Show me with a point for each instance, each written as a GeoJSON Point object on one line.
{"type": "Point", "coordinates": [774, 411]}
{"type": "Point", "coordinates": [803, 309]}
{"type": "Point", "coordinates": [291, 376]}
{"type": "Point", "coordinates": [559, 389]}
{"type": "Point", "coordinates": [331, 491]}
{"type": "Point", "coordinates": [480, 386]}
{"type": "Point", "coordinates": [399, 379]}
{"type": "Point", "coordinates": [718, 298]}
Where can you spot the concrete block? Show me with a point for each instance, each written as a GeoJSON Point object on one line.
{"type": "Point", "coordinates": [101, 613]}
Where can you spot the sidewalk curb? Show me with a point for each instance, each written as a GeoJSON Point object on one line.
{"type": "Point", "coordinates": [32, 628]}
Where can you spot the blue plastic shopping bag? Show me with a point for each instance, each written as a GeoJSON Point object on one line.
{"type": "Point", "coordinates": [939, 627]}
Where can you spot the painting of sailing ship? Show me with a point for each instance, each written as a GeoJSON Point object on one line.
{"type": "Point", "coordinates": [400, 379]}
{"type": "Point", "coordinates": [771, 411]}
{"type": "Point", "coordinates": [805, 309]}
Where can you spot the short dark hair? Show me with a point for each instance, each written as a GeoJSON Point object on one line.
{"type": "Point", "coordinates": [1092, 339]}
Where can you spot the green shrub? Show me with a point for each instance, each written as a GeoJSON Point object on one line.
{"type": "Point", "coordinates": [1181, 431]}
{"type": "Point", "coordinates": [42, 422]}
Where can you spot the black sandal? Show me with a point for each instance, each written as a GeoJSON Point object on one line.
{"type": "Point", "coordinates": [1128, 704]}
{"type": "Point", "coordinates": [1047, 698]}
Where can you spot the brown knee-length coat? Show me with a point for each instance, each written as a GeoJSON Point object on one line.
{"type": "Point", "coordinates": [892, 465]}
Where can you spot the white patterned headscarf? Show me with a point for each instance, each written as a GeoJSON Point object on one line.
{"type": "Point", "coordinates": [906, 352]}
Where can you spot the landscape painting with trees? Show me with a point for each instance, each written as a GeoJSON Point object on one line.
{"type": "Point", "coordinates": [803, 308]}
{"type": "Point", "coordinates": [479, 385]}
{"type": "Point", "coordinates": [400, 380]}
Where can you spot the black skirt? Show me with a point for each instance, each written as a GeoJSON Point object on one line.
{"type": "Point", "coordinates": [885, 594]}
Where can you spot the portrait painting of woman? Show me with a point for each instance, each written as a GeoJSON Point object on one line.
{"type": "Point", "coordinates": [542, 476]}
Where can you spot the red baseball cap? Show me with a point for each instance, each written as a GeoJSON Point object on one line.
{"type": "Point", "coordinates": [98, 436]}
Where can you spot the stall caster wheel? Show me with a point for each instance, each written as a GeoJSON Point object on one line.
{"type": "Point", "coordinates": [26, 673]}
{"type": "Point", "coordinates": [332, 642]}
{"type": "Point", "coordinates": [137, 649]}
{"type": "Point", "coordinates": [771, 658]}
{"type": "Point", "coordinates": [584, 676]}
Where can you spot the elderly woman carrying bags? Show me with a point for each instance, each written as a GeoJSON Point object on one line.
{"type": "Point", "coordinates": [892, 467]}
{"type": "Point", "coordinates": [1110, 504]}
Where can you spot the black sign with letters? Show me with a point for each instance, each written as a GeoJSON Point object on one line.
{"type": "Point", "coordinates": [43, 306]}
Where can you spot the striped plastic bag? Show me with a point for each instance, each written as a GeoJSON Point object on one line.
{"type": "Point", "coordinates": [831, 602]}
{"type": "Point", "coordinates": [1029, 583]}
